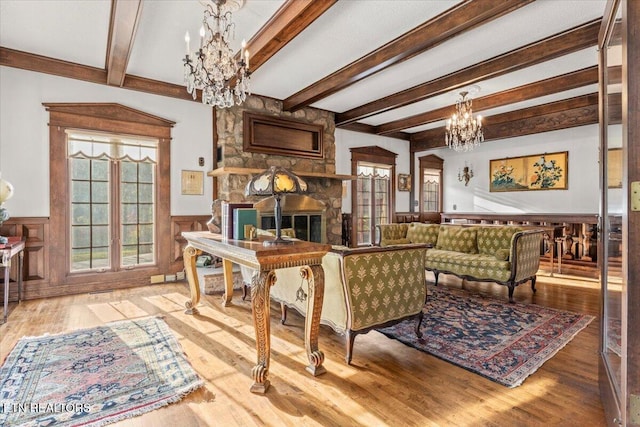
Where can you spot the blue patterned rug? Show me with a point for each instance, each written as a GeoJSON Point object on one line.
{"type": "Point", "coordinates": [500, 341]}
{"type": "Point", "coordinates": [93, 377]}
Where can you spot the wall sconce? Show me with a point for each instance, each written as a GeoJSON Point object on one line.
{"type": "Point", "coordinates": [466, 174]}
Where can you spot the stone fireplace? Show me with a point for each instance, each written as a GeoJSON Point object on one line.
{"type": "Point", "coordinates": [236, 167]}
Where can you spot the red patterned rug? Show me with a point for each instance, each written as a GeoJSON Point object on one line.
{"type": "Point", "coordinates": [500, 341]}
{"type": "Point", "coordinates": [93, 377]}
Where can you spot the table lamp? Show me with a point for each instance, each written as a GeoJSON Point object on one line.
{"type": "Point", "coordinates": [6, 191]}
{"type": "Point", "coordinates": [276, 181]}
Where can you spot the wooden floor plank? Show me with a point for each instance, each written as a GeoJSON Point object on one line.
{"type": "Point", "coordinates": [388, 383]}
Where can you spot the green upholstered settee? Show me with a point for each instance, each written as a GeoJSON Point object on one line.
{"type": "Point", "coordinates": [508, 255]}
{"type": "Point", "coordinates": [365, 288]}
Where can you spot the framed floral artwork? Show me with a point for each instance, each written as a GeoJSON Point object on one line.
{"type": "Point", "coordinates": [547, 171]}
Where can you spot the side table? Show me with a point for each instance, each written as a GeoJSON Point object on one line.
{"type": "Point", "coordinates": [14, 247]}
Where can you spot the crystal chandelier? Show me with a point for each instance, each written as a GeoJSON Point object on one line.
{"type": "Point", "coordinates": [463, 131]}
{"type": "Point", "coordinates": [213, 67]}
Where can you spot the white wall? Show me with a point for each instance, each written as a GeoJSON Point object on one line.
{"type": "Point", "coordinates": [24, 136]}
{"type": "Point", "coordinates": [345, 140]}
{"type": "Point", "coordinates": [582, 195]}
{"type": "Point", "coordinates": [24, 152]}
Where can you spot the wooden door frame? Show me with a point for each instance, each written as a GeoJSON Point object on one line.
{"type": "Point", "coordinates": [371, 154]}
{"type": "Point", "coordinates": [630, 370]}
{"type": "Point", "coordinates": [430, 162]}
{"type": "Point", "coordinates": [117, 119]}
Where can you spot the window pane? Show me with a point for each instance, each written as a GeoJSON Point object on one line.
{"type": "Point", "coordinates": [100, 214]}
{"type": "Point", "coordinates": [145, 213]}
{"type": "Point", "coordinates": [81, 237]}
{"type": "Point", "coordinates": [146, 172]}
{"type": "Point", "coordinates": [129, 214]}
{"type": "Point", "coordinates": [146, 254]}
{"type": "Point", "coordinates": [145, 193]}
{"type": "Point", "coordinates": [101, 258]}
{"type": "Point", "coordinates": [129, 172]}
{"type": "Point", "coordinates": [100, 192]}
{"type": "Point", "coordinates": [80, 191]}
{"type": "Point", "coordinates": [100, 170]}
{"type": "Point", "coordinates": [100, 235]}
{"type": "Point", "coordinates": [130, 234]}
{"type": "Point", "coordinates": [146, 233]}
{"type": "Point", "coordinates": [80, 259]}
{"type": "Point", "coordinates": [129, 193]}
{"type": "Point", "coordinates": [80, 169]}
{"type": "Point", "coordinates": [129, 254]}
{"type": "Point", "coordinates": [80, 214]}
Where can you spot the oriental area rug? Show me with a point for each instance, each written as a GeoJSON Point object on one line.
{"type": "Point", "coordinates": [500, 341]}
{"type": "Point", "coordinates": [93, 377]}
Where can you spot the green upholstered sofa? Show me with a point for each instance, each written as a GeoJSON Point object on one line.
{"type": "Point", "coordinates": [365, 288]}
{"type": "Point", "coordinates": [508, 255]}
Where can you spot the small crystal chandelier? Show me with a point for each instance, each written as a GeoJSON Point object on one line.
{"type": "Point", "coordinates": [213, 67]}
{"type": "Point", "coordinates": [463, 131]}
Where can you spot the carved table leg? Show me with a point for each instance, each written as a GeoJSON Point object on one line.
{"type": "Point", "coordinates": [190, 254]}
{"type": "Point", "coordinates": [315, 277]}
{"type": "Point", "coordinates": [227, 268]}
{"type": "Point", "coordinates": [260, 306]}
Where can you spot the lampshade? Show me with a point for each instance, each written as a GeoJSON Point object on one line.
{"type": "Point", "coordinates": [275, 180]}
{"type": "Point", "coordinates": [6, 190]}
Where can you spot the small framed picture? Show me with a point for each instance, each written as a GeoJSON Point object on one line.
{"type": "Point", "coordinates": [192, 183]}
{"type": "Point", "coordinates": [404, 182]}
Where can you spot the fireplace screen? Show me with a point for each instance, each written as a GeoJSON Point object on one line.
{"type": "Point", "coordinates": [304, 214]}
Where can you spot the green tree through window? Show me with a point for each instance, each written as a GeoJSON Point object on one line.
{"type": "Point", "coordinates": [105, 169]}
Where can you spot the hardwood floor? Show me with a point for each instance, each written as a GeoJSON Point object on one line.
{"type": "Point", "coordinates": [388, 383]}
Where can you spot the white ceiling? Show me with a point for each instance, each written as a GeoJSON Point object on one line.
{"type": "Point", "coordinates": [77, 31]}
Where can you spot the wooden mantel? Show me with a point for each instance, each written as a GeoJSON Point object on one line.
{"type": "Point", "coordinates": [225, 170]}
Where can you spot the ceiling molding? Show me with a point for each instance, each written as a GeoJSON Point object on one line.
{"type": "Point", "coordinates": [568, 113]}
{"type": "Point", "coordinates": [563, 43]}
{"type": "Point", "coordinates": [288, 21]}
{"type": "Point", "coordinates": [453, 22]}
{"type": "Point", "coordinates": [125, 15]}
{"type": "Point", "coordinates": [552, 85]}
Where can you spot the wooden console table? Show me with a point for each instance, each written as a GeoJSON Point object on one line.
{"type": "Point", "coordinates": [15, 246]}
{"type": "Point", "coordinates": [265, 260]}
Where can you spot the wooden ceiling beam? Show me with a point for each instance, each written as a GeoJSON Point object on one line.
{"type": "Point", "coordinates": [288, 21]}
{"type": "Point", "coordinates": [365, 128]}
{"type": "Point", "coordinates": [463, 17]}
{"type": "Point", "coordinates": [569, 41]}
{"type": "Point", "coordinates": [572, 80]}
{"type": "Point", "coordinates": [43, 64]}
{"type": "Point", "coordinates": [125, 15]}
{"type": "Point", "coordinates": [568, 113]}
{"type": "Point", "coordinates": [57, 67]}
